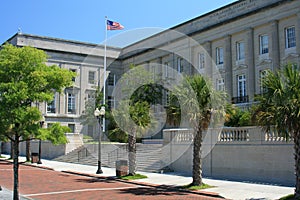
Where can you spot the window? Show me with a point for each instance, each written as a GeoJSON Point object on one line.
{"type": "Point", "coordinates": [240, 50]}
{"type": "Point", "coordinates": [219, 56]}
{"type": "Point", "coordinates": [179, 65]}
{"type": "Point", "coordinates": [290, 37]}
{"type": "Point", "coordinates": [263, 44]}
{"type": "Point", "coordinates": [241, 85]}
{"type": "Point", "coordinates": [71, 103]}
{"type": "Point", "coordinates": [110, 102]}
{"type": "Point", "coordinates": [262, 75]}
{"type": "Point", "coordinates": [221, 84]}
{"type": "Point", "coordinates": [111, 79]}
{"type": "Point", "coordinates": [73, 70]}
{"type": "Point", "coordinates": [166, 69]}
{"type": "Point", "coordinates": [51, 106]}
{"type": "Point", "coordinates": [201, 60]}
{"type": "Point", "coordinates": [91, 77]}
{"type": "Point", "coordinates": [72, 127]}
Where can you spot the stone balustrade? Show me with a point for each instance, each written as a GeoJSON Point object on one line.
{"type": "Point", "coordinates": [252, 134]}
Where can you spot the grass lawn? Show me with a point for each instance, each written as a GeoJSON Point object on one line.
{"type": "Point", "coordinates": [135, 177]}
{"type": "Point", "coordinates": [193, 187]}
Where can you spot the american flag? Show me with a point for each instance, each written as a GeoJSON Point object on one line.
{"type": "Point", "coordinates": [111, 25]}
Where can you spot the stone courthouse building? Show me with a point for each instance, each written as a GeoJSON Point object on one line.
{"type": "Point", "coordinates": [233, 45]}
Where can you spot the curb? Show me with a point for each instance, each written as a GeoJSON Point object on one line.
{"type": "Point", "coordinates": [174, 188]}
{"type": "Point", "coordinates": [28, 164]}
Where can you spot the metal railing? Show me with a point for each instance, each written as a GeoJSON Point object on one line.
{"type": "Point", "coordinates": [117, 154]}
{"type": "Point", "coordinates": [82, 153]}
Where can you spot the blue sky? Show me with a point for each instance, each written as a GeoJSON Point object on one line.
{"type": "Point", "coordinates": [84, 20]}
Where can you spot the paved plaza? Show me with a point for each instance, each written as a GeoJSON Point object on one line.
{"type": "Point", "coordinates": [58, 180]}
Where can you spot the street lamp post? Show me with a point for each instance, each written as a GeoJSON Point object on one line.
{"type": "Point", "coordinates": [40, 141]}
{"type": "Point", "coordinates": [99, 114]}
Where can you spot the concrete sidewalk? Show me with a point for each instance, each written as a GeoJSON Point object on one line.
{"type": "Point", "coordinates": [227, 189]}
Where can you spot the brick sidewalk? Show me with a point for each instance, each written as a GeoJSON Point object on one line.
{"type": "Point", "coordinates": [38, 183]}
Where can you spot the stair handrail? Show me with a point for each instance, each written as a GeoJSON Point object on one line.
{"type": "Point", "coordinates": [79, 153]}
{"type": "Point", "coordinates": [116, 154]}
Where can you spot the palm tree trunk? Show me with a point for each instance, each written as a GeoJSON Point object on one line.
{"type": "Point", "coordinates": [28, 150]}
{"type": "Point", "coordinates": [132, 154]}
{"type": "Point", "coordinates": [197, 162]}
{"type": "Point", "coordinates": [16, 167]}
{"type": "Point", "coordinates": [297, 162]}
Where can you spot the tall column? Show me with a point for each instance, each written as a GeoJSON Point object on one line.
{"type": "Point", "coordinates": [208, 59]}
{"type": "Point", "coordinates": [275, 50]}
{"type": "Point", "coordinates": [251, 82]}
{"type": "Point", "coordinates": [228, 66]}
{"type": "Point", "coordinates": [298, 35]}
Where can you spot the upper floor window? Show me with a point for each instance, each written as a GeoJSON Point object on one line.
{"type": "Point", "coordinates": [73, 70]}
{"type": "Point", "coordinates": [219, 56]}
{"type": "Point", "coordinates": [179, 65]}
{"type": "Point", "coordinates": [221, 84]}
{"type": "Point", "coordinates": [51, 106]}
{"type": "Point", "coordinates": [290, 37]}
{"type": "Point", "coordinates": [111, 102]}
{"type": "Point", "coordinates": [262, 76]}
{"type": "Point", "coordinates": [240, 50]}
{"type": "Point", "coordinates": [263, 44]}
{"type": "Point", "coordinates": [71, 103]}
{"type": "Point", "coordinates": [111, 79]}
{"type": "Point", "coordinates": [201, 60]}
{"type": "Point", "coordinates": [241, 85]}
{"type": "Point", "coordinates": [166, 69]}
{"type": "Point", "coordinates": [91, 77]}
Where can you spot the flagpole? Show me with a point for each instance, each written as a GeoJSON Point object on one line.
{"type": "Point", "coordinates": [104, 73]}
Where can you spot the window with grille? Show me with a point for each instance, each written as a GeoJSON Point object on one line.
{"type": "Point", "coordinates": [263, 44]}
{"type": "Point", "coordinates": [71, 103]}
{"type": "Point", "coordinates": [91, 77]}
{"type": "Point", "coordinates": [241, 85]}
{"type": "Point", "coordinates": [111, 79]}
{"type": "Point", "coordinates": [290, 37]}
{"type": "Point", "coordinates": [201, 60]}
{"type": "Point", "coordinates": [219, 56]}
{"type": "Point", "coordinates": [240, 50]}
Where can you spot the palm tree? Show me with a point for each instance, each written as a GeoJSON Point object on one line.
{"type": "Point", "coordinates": [134, 119]}
{"type": "Point", "coordinates": [201, 104]}
{"type": "Point", "coordinates": [279, 108]}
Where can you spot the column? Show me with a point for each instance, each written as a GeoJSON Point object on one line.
{"type": "Point", "coordinates": [275, 50]}
{"type": "Point", "coordinates": [208, 59]}
{"type": "Point", "coordinates": [298, 35]}
{"type": "Point", "coordinates": [228, 66]}
{"type": "Point", "coordinates": [250, 81]}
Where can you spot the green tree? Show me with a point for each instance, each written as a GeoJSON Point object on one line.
{"type": "Point", "coordinates": [26, 79]}
{"type": "Point", "coordinates": [138, 92]}
{"type": "Point", "coordinates": [279, 108]}
{"type": "Point", "coordinates": [203, 106]}
{"type": "Point", "coordinates": [236, 117]}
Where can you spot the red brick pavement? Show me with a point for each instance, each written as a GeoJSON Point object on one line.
{"type": "Point", "coordinates": [38, 183]}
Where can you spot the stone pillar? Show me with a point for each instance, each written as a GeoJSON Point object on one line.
{"type": "Point", "coordinates": [228, 66]}
{"type": "Point", "coordinates": [251, 82]}
{"type": "Point", "coordinates": [208, 59]}
{"type": "Point", "coordinates": [275, 50]}
{"type": "Point", "coordinates": [298, 35]}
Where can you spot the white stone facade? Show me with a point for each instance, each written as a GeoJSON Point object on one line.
{"type": "Point", "coordinates": [233, 46]}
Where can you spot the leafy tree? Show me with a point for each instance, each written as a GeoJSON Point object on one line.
{"type": "Point", "coordinates": [279, 108]}
{"type": "Point", "coordinates": [204, 107]}
{"type": "Point", "coordinates": [236, 117]}
{"type": "Point", "coordinates": [26, 79]}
